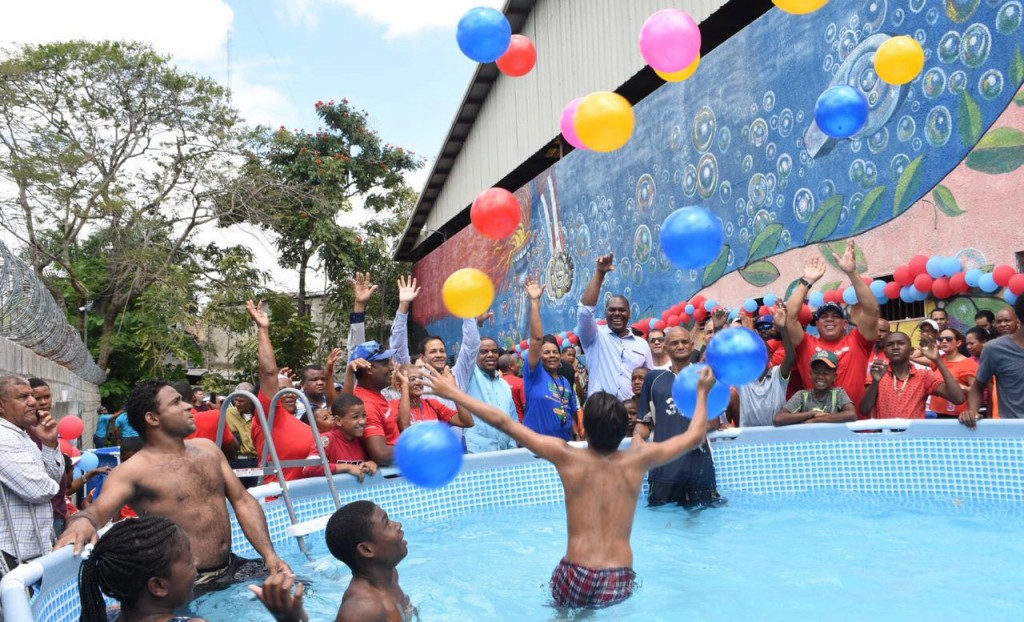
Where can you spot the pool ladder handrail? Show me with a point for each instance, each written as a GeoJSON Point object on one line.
{"type": "Point", "coordinates": [269, 448]}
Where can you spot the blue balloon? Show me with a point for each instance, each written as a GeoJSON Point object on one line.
{"type": "Point", "coordinates": [737, 355]}
{"type": "Point", "coordinates": [709, 305]}
{"type": "Point", "coordinates": [907, 293]}
{"type": "Point", "coordinates": [733, 314]}
{"type": "Point", "coordinates": [429, 454]}
{"type": "Point", "coordinates": [878, 289]}
{"type": "Point", "coordinates": [750, 305]}
{"type": "Point", "coordinates": [1009, 296]}
{"type": "Point", "coordinates": [850, 295]}
{"type": "Point", "coordinates": [951, 265]}
{"type": "Point", "coordinates": [684, 392]}
{"type": "Point", "coordinates": [918, 295]}
{"type": "Point", "coordinates": [691, 237]}
{"type": "Point", "coordinates": [483, 34]}
{"type": "Point", "coordinates": [88, 462]}
{"type": "Point", "coordinates": [816, 299]}
{"type": "Point", "coordinates": [770, 300]}
{"type": "Point", "coordinates": [973, 277]}
{"type": "Point", "coordinates": [689, 310]}
{"type": "Point", "coordinates": [841, 111]}
{"type": "Point", "coordinates": [935, 267]}
{"type": "Point", "coordinates": [987, 283]}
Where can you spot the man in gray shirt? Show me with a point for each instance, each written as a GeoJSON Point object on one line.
{"type": "Point", "coordinates": [1002, 359]}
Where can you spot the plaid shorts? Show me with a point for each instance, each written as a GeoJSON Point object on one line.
{"type": "Point", "coordinates": [577, 586]}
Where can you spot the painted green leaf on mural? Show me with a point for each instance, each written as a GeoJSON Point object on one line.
{"type": "Point", "coordinates": [907, 186]}
{"type": "Point", "coordinates": [760, 273]}
{"type": "Point", "coordinates": [946, 202]}
{"type": "Point", "coordinates": [789, 290]}
{"type": "Point", "coordinates": [1017, 68]}
{"type": "Point", "coordinates": [717, 268]}
{"type": "Point", "coordinates": [969, 119]}
{"type": "Point", "coordinates": [838, 248]}
{"type": "Point", "coordinates": [765, 242]}
{"type": "Point", "coordinates": [999, 151]}
{"type": "Point", "coordinates": [870, 209]}
{"type": "Point", "coordinates": [831, 285]}
{"type": "Point", "coordinates": [825, 219]}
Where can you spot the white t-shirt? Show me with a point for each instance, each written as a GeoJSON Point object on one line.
{"type": "Point", "coordinates": [761, 399]}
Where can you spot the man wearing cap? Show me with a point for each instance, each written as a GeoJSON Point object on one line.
{"type": "Point", "coordinates": [239, 419]}
{"type": "Point", "coordinates": [852, 350]}
{"type": "Point", "coordinates": [825, 402]}
{"type": "Point", "coordinates": [370, 367]}
{"type": "Point", "coordinates": [476, 372]}
{"type": "Point", "coordinates": [613, 351]}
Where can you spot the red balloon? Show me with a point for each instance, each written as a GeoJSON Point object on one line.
{"type": "Point", "coordinates": [559, 339]}
{"type": "Point", "coordinates": [923, 282]}
{"type": "Point", "coordinates": [519, 58]}
{"type": "Point", "coordinates": [764, 310]}
{"type": "Point", "coordinates": [68, 449]}
{"type": "Point", "coordinates": [665, 314]}
{"type": "Point", "coordinates": [941, 288]}
{"type": "Point", "coordinates": [919, 265]}
{"type": "Point", "coordinates": [806, 315]}
{"type": "Point", "coordinates": [524, 344]}
{"type": "Point", "coordinates": [902, 276]}
{"type": "Point", "coordinates": [700, 313]}
{"type": "Point", "coordinates": [1002, 275]}
{"type": "Point", "coordinates": [495, 213]}
{"type": "Point", "coordinates": [684, 318]}
{"type": "Point", "coordinates": [698, 301]}
{"type": "Point", "coordinates": [833, 295]}
{"type": "Point", "coordinates": [673, 320]}
{"type": "Point", "coordinates": [603, 322]}
{"type": "Point", "coordinates": [1016, 284]}
{"type": "Point", "coordinates": [70, 427]}
{"type": "Point", "coordinates": [660, 325]}
{"type": "Point", "coordinates": [892, 290]}
{"type": "Point", "coordinates": [574, 340]}
{"type": "Point", "coordinates": [959, 283]}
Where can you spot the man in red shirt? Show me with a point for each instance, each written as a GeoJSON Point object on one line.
{"type": "Point", "coordinates": [853, 349]}
{"type": "Point", "coordinates": [898, 390]}
{"type": "Point", "coordinates": [370, 366]}
{"type": "Point", "coordinates": [507, 364]}
{"type": "Point", "coordinates": [291, 437]}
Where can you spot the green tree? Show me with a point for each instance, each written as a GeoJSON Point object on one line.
{"type": "Point", "coordinates": [112, 157]}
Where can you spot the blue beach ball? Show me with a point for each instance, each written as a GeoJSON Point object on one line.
{"type": "Point", "coordinates": [684, 392]}
{"type": "Point", "coordinates": [483, 34]}
{"type": "Point", "coordinates": [841, 111]}
{"type": "Point", "coordinates": [429, 454]}
{"type": "Point", "coordinates": [737, 355]}
{"type": "Point", "coordinates": [691, 237]}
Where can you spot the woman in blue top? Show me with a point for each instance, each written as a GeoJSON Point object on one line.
{"type": "Point", "coordinates": [550, 399]}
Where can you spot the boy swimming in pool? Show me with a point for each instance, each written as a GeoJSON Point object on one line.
{"type": "Point", "coordinates": [602, 485]}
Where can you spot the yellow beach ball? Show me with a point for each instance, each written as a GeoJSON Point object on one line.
{"type": "Point", "coordinates": [468, 292]}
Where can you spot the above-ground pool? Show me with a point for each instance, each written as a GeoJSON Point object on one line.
{"type": "Point", "coordinates": [822, 522]}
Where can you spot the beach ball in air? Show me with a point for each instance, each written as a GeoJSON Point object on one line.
{"type": "Point", "coordinates": [841, 111]}
{"type": "Point", "coordinates": [670, 40]}
{"type": "Point", "coordinates": [483, 34]}
{"type": "Point", "coordinates": [468, 292]}
{"type": "Point", "coordinates": [800, 7]}
{"type": "Point", "coordinates": [691, 237]}
{"type": "Point", "coordinates": [429, 454]}
{"type": "Point", "coordinates": [737, 355]}
{"type": "Point", "coordinates": [899, 60]}
{"type": "Point", "coordinates": [679, 76]}
{"type": "Point", "coordinates": [684, 392]}
{"type": "Point", "coordinates": [604, 121]}
{"type": "Point", "coordinates": [495, 213]}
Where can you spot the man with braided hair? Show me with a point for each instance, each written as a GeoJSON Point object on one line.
{"type": "Point", "coordinates": [185, 481]}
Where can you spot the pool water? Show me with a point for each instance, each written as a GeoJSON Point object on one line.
{"type": "Point", "coordinates": [800, 557]}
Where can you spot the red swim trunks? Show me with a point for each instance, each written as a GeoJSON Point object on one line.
{"type": "Point", "coordinates": [577, 586]}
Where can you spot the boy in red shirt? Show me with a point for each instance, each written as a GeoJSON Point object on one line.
{"type": "Point", "coordinates": [344, 449]}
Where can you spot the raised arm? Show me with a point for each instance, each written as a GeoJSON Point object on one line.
{"type": "Point", "coordinates": [814, 269]}
{"type": "Point", "coordinates": [118, 490]}
{"type": "Point", "coordinates": [867, 403]}
{"type": "Point", "coordinates": [869, 309]}
{"type": "Point", "coordinates": [466, 360]}
{"type": "Point", "coordinates": [550, 448]}
{"type": "Point", "coordinates": [363, 289]}
{"type": "Point", "coordinates": [950, 388]}
{"type": "Point", "coordinates": [407, 292]}
{"type": "Point", "coordinates": [329, 368]}
{"type": "Point", "coordinates": [655, 454]}
{"type": "Point", "coordinates": [605, 264]}
{"type": "Point", "coordinates": [535, 290]}
{"type": "Point", "coordinates": [405, 403]}
{"type": "Point", "coordinates": [786, 367]}
{"type": "Point", "coordinates": [267, 361]}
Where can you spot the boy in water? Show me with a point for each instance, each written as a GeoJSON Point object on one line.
{"type": "Point", "coordinates": [602, 485]}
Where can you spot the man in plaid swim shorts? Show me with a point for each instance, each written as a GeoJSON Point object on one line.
{"type": "Point", "coordinates": [601, 484]}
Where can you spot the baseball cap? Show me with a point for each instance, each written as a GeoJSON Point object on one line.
{"type": "Point", "coordinates": [932, 323]}
{"type": "Point", "coordinates": [827, 357]}
{"type": "Point", "coordinates": [371, 351]}
{"type": "Point", "coordinates": [764, 321]}
{"type": "Point", "coordinates": [825, 308]}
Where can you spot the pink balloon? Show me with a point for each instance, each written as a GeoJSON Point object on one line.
{"type": "Point", "coordinates": [670, 40]}
{"type": "Point", "coordinates": [569, 127]}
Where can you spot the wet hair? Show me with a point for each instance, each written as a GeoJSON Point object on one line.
{"type": "Point", "coordinates": [605, 421]}
{"type": "Point", "coordinates": [184, 389]}
{"type": "Point", "coordinates": [309, 368]}
{"type": "Point", "coordinates": [979, 333]}
{"type": "Point", "coordinates": [124, 560]}
{"type": "Point", "coordinates": [985, 313]}
{"type": "Point", "coordinates": [35, 383]}
{"type": "Point", "coordinates": [505, 362]}
{"type": "Point", "coordinates": [143, 400]}
{"type": "Point", "coordinates": [347, 528]}
{"type": "Point", "coordinates": [428, 339]}
{"type": "Point", "coordinates": [344, 403]}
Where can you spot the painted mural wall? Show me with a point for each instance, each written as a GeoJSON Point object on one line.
{"type": "Point", "coordinates": [937, 170]}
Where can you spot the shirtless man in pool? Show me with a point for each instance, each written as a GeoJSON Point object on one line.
{"type": "Point", "coordinates": [601, 484]}
{"type": "Point", "coordinates": [185, 481]}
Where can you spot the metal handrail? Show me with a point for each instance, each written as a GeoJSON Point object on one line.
{"type": "Point", "coordinates": [328, 474]}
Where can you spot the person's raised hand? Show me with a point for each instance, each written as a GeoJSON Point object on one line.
{"type": "Point", "coordinates": [814, 268]}
{"type": "Point", "coordinates": [706, 380]}
{"type": "Point", "coordinates": [334, 357]}
{"type": "Point", "coordinates": [276, 595]}
{"type": "Point", "coordinates": [606, 263]}
{"type": "Point", "coordinates": [780, 314]}
{"type": "Point", "coordinates": [533, 288]}
{"type": "Point", "coordinates": [720, 318]}
{"type": "Point", "coordinates": [287, 373]}
{"type": "Point", "coordinates": [878, 369]}
{"type": "Point", "coordinates": [407, 289]}
{"type": "Point", "coordinates": [357, 364]}
{"type": "Point", "coordinates": [403, 380]}
{"type": "Point", "coordinates": [257, 313]}
{"type": "Point", "coordinates": [747, 320]}
{"type": "Point", "coordinates": [929, 350]}
{"type": "Point", "coordinates": [441, 384]}
{"type": "Point", "coordinates": [848, 262]}
{"type": "Point", "coordinates": [46, 429]}
{"type": "Point", "coordinates": [483, 317]}
{"type": "Point", "coordinates": [362, 287]}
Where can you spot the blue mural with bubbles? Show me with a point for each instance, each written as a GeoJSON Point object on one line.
{"type": "Point", "coordinates": [739, 139]}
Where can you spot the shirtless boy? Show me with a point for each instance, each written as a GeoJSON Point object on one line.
{"type": "Point", "coordinates": [601, 484]}
{"type": "Point", "coordinates": [184, 481]}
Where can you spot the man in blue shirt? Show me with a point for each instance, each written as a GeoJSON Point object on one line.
{"type": "Point", "coordinates": [613, 351]}
{"type": "Point", "coordinates": [103, 418]}
{"type": "Point", "coordinates": [476, 372]}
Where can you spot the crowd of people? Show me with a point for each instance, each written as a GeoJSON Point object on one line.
{"type": "Point", "coordinates": [847, 363]}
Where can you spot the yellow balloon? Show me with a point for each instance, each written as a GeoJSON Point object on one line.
{"type": "Point", "coordinates": [468, 292]}
{"type": "Point", "coordinates": [604, 121]}
{"type": "Point", "coordinates": [800, 7]}
{"type": "Point", "coordinates": [899, 60]}
{"type": "Point", "coordinates": [683, 74]}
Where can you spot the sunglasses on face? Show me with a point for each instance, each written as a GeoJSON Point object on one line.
{"type": "Point", "coordinates": [657, 340]}
{"type": "Point", "coordinates": [946, 338]}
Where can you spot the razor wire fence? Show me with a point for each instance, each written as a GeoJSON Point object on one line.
{"type": "Point", "coordinates": [30, 317]}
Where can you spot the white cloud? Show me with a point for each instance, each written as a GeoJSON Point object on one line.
{"type": "Point", "coordinates": [402, 18]}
